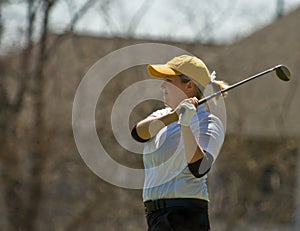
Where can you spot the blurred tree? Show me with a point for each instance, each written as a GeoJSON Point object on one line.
{"type": "Point", "coordinates": [21, 183]}
{"type": "Point", "coordinates": [205, 17]}
{"type": "Point", "coordinates": [1, 21]}
{"type": "Point", "coordinates": [137, 18]}
{"type": "Point", "coordinates": [279, 8]}
{"type": "Point", "coordinates": [22, 197]}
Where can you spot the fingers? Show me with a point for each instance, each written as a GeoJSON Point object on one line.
{"type": "Point", "coordinates": [193, 100]}
{"type": "Point", "coordinates": [187, 110]}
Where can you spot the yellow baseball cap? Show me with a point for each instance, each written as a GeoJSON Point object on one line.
{"type": "Point", "coordinates": [190, 66]}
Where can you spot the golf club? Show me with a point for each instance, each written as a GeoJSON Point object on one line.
{"type": "Point", "coordinates": [282, 72]}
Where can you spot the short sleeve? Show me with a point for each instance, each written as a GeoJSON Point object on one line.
{"type": "Point", "coordinates": [209, 133]}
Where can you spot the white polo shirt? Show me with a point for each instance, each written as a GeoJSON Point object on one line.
{"type": "Point", "coordinates": [167, 173]}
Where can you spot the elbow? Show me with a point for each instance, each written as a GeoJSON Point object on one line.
{"type": "Point", "coordinates": [201, 167]}
{"type": "Point", "coordinates": [137, 137]}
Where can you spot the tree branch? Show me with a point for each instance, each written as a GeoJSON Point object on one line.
{"type": "Point", "coordinates": [70, 26]}
{"type": "Point", "coordinates": [137, 18]}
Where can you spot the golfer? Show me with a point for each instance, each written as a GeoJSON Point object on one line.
{"type": "Point", "coordinates": [181, 141]}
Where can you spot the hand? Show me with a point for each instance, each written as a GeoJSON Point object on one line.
{"type": "Point", "coordinates": [187, 109]}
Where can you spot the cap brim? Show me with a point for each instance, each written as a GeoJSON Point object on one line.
{"type": "Point", "coordinates": [161, 70]}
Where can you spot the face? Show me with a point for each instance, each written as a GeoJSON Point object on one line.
{"type": "Point", "coordinates": [174, 90]}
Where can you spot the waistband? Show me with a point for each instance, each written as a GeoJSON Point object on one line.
{"type": "Point", "coordinates": [155, 205]}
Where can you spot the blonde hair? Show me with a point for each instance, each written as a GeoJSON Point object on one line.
{"type": "Point", "coordinates": [219, 85]}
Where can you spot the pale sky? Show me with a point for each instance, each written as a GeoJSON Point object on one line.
{"type": "Point", "coordinates": [160, 19]}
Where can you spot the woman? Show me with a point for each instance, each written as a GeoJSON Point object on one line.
{"type": "Point", "coordinates": [181, 142]}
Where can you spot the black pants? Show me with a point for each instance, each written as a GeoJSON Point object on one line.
{"type": "Point", "coordinates": [178, 219]}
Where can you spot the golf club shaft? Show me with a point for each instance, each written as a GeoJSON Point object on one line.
{"type": "Point", "coordinates": [205, 99]}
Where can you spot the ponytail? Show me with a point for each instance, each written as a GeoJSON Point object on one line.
{"type": "Point", "coordinates": [218, 85]}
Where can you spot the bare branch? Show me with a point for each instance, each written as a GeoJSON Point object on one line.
{"type": "Point", "coordinates": [104, 12]}
{"type": "Point", "coordinates": [279, 8]}
{"type": "Point", "coordinates": [77, 16]}
{"type": "Point", "coordinates": [32, 9]}
{"type": "Point", "coordinates": [137, 18]}
{"type": "Point", "coordinates": [71, 25]}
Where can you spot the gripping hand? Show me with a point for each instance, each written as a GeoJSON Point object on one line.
{"type": "Point", "coordinates": [186, 112]}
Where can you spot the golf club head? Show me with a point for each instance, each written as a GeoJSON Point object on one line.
{"type": "Point", "coordinates": [283, 72]}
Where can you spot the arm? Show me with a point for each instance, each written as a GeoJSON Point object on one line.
{"type": "Point", "coordinates": [193, 151]}
{"type": "Point", "coordinates": [199, 161]}
{"type": "Point", "coordinates": [148, 128]}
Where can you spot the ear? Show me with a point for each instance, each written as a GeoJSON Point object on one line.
{"type": "Point", "coordinates": [190, 86]}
